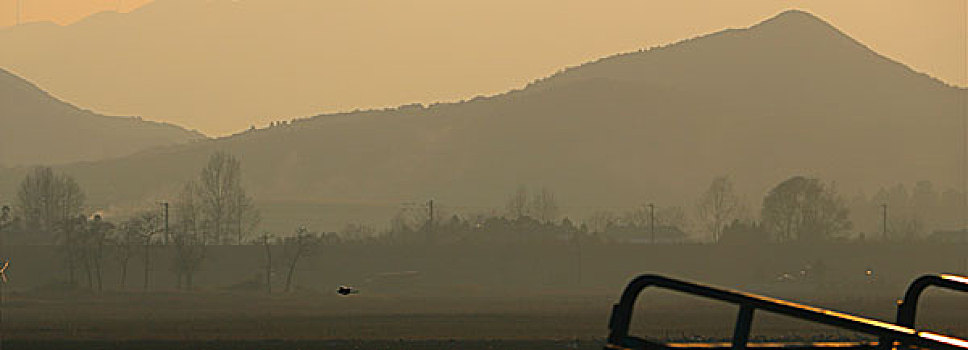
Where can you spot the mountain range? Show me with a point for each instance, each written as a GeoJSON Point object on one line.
{"type": "Point", "coordinates": [37, 128]}
{"type": "Point", "coordinates": [220, 66]}
{"type": "Point", "coordinates": [791, 95]}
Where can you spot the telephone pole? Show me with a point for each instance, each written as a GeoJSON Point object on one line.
{"type": "Point", "coordinates": [165, 205]}
{"type": "Point", "coordinates": [430, 222]}
{"type": "Point", "coordinates": [884, 220]}
{"type": "Point", "coordinates": [652, 221]}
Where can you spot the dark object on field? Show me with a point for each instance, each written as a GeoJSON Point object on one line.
{"type": "Point", "coordinates": [344, 290]}
{"type": "Point", "coordinates": [891, 335]}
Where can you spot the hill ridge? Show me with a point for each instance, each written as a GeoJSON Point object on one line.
{"type": "Point", "coordinates": [53, 122]}
{"type": "Point", "coordinates": [744, 103]}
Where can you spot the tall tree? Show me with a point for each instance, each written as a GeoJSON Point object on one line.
{"type": "Point", "coordinates": [47, 201]}
{"type": "Point", "coordinates": [672, 216]}
{"type": "Point", "coordinates": [243, 214]}
{"type": "Point", "coordinates": [128, 236]}
{"type": "Point", "coordinates": [544, 206]}
{"type": "Point", "coordinates": [517, 204]}
{"type": "Point", "coordinates": [599, 221]}
{"type": "Point", "coordinates": [718, 206]}
{"type": "Point", "coordinates": [189, 242]}
{"type": "Point", "coordinates": [51, 204]}
{"type": "Point", "coordinates": [267, 244]}
{"type": "Point", "coordinates": [804, 209]}
{"type": "Point", "coordinates": [6, 218]}
{"type": "Point", "coordinates": [295, 248]}
{"type": "Point", "coordinates": [93, 237]}
{"type": "Point", "coordinates": [225, 207]}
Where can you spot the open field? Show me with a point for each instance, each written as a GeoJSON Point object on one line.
{"type": "Point", "coordinates": [460, 296]}
{"type": "Point", "coordinates": [321, 321]}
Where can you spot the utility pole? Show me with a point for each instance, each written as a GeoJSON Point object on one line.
{"type": "Point", "coordinates": [167, 234]}
{"type": "Point", "coordinates": [147, 258]}
{"type": "Point", "coordinates": [884, 219]}
{"type": "Point", "coordinates": [265, 242]}
{"type": "Point", "coordinates": [19, 5]}
{"type": "Point", "coordinates": [430, 222]}
{"type": "Point", "coordinates": [652, 221]}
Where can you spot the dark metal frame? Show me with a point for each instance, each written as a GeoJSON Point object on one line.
{"type": "Point", "coordinates": [907, 309]}
{"type": "Point", "coordinates": [619, 338]}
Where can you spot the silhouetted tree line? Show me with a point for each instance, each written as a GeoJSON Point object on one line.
{"type": "Point", "coordinates": [913, 212]}
{"type": "Point", "coordinates": [212, 209]}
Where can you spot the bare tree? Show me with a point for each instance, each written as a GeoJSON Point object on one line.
{"type": "Point", "coordinates": [128, 236]}
{"type": "Point", "coordinates": [6, 218]}
{"type": "Point", "coordinates": [147, 237]}
{"type": "Point", "coordinates": [222, 200]}
{"type": "Point", "coordinates": [360, 232]}
{"type": "Point", "coordinates": [93, 238]}
{"type": "Point", "coordinates": [267, 243]}
{"type": "Point", "coordinates": [243, 214]}
{"type": "Point", "coordinates": [407, 223]}
{"type": "Point", "coordinates": [718, 206]}
{"type": "Point", "coordinates": [50, 203]}
{"type": "Point", "coordinates": [517, 205]}
{"type": "Point", "coordinates": [544, 206]}
{"type": "Point", "coordinates": [190, 252]}
{"type": "Point", "coordinates": [599, 221]}
{"type": "Point", "coordinates": [71, 202]}
{"type": "Point", "coordinates": [215, 186]}
{"type": "Point", "coordinates": [189, 243]}
{"type": "Point", "coordinates": [301, 245]}
{"type": "Point", "coordinates": [40, 200]}
{"type": "Point", "coordinates": [672, 216]}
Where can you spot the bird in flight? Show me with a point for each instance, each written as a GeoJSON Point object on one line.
{"type": "Point", "coordinates": [345, 290]}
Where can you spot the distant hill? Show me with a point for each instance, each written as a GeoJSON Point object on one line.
{"type": "Point", "coordinates": [36, 128]}
{"type": "Point", "coordinates": [791, 95]}
{"type": "Point", "coordinates": [220, 66]}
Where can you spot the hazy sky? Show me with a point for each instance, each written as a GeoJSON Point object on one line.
{"type": "Point", "coordinates": [62, 11]}
{"type": "Point", "coordinates": [929, 36]}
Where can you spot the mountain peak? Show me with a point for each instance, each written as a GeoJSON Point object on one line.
{"type": "Point", "coordinates": [797, 20]}
{"type": "Point", "coordinates": [797, 13]}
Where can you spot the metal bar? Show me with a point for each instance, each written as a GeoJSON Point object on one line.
{"type": "Point", "coordinates": [744, 322]}
{"type": "Point", "coordinates": [622, 313]}
{"type": "Point", "coordinates": [908, 308]}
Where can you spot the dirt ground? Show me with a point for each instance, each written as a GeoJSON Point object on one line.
{"type": "Point", "coordinates": [326, 321]}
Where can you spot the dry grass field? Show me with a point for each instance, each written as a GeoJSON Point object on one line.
{"type": "Point", "coordinates": [307, 320]}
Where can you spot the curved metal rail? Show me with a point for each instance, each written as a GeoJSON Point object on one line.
{"type": "Point", "coordinates": [907, 309]}
{"type": "Point", "coordinates": [619, 338]}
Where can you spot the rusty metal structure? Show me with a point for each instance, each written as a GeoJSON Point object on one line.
{"type": "Point", "coordinates": [900, 334]}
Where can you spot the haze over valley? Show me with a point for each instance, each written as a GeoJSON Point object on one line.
{"type": "Point", "coordinates": [429, 174]}
{"type": "Point", "coordinates": [790, 95]}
